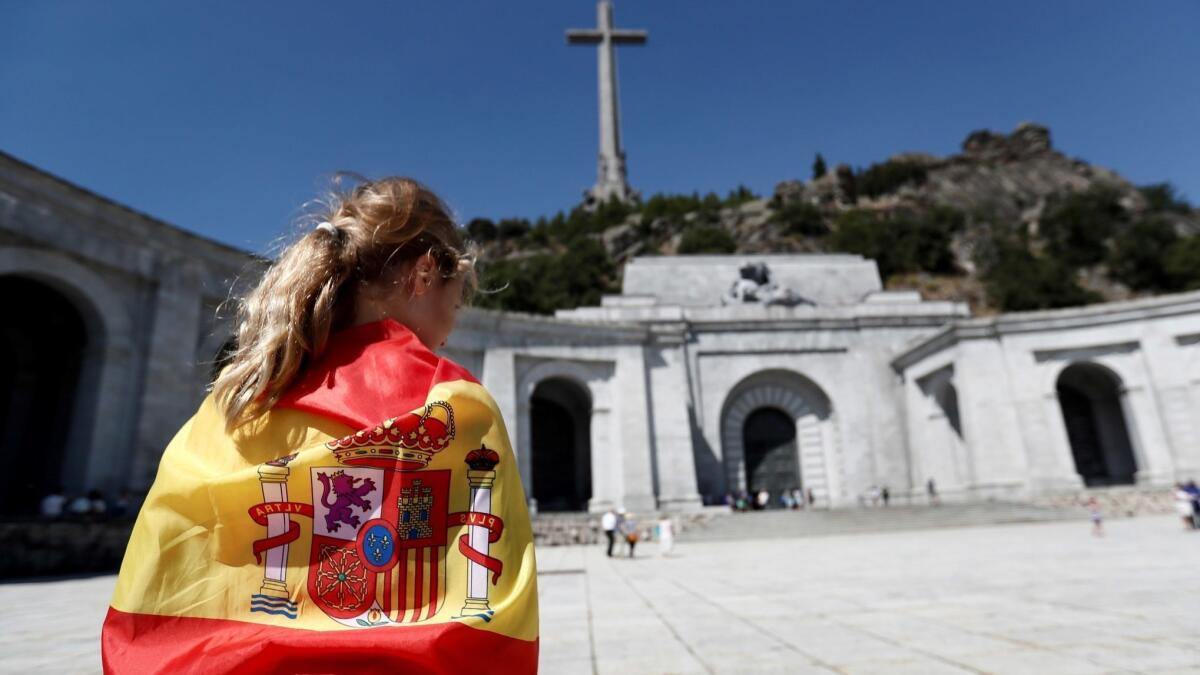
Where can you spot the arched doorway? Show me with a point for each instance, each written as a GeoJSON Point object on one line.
{"type": "Point", "coordinates": [1090, 396]}
{"type": "Point", "coordinates": [42, 346]}
{"type": "Point", "coordinates": [561, 453]}
{"type": "Point", "coordinates": [772, 460]}
{"type": "Point", "coordinates": [755, 440]}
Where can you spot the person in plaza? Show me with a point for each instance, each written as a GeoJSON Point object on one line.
{"type": "Point", "coordinates": [608, 523]}
{"type": "Point", "coordinates": [797, 498]}
{"type": "Point", "coordinates": [52, 505]}
{"type": "Point", "coordinates": [931, 490]}
{"type": "Point", "coordinates": [629, 530]}
{"type": "Point", "coordinates": [345, 500]}
{"type": "Point", "coordinates": [666, 536]}
{"type": "Point", "coordinates": [885, 495]}
{"type": "Point", "coordinates": [1184, 506]}
{"type": "Point", "coordinates": [1096, 514]}
{"type": "Point", "coordinates": [80, 507]}
{"type": "Point", "coordinates": [762, 499]}
{"type": "Point", "coordinates": [1194, 490]}
{"type": "Point", "coordinates": [873, 495]}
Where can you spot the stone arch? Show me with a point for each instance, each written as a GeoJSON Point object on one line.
{"type": "Point", "coordinates": [560, 412]}
{"type": "Point", "coordinates": [590, 410]}
{"type": "Point", "coordinates": [100, 436]}
{"type": "Point", "coordinates": [1091, 400]}
{"type": "Point", "coordinates": [801, 400]}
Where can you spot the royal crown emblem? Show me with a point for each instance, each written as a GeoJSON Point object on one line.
{"type": "Point", "coordinates": [407, 442]}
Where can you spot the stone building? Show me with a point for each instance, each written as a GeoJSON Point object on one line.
{"type": "Point", "coordinates": [109, 336]}
{"type": "Point", "coordinates": [705, 375]}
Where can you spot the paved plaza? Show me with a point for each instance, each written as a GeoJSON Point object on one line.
{"type": "Point", "coordinates": [1031, 598]}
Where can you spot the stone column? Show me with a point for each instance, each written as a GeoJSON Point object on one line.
{"type": "Point", "coordinates": [1155, 466]}
{"type": "Point", "coordinates": [168, 395]}
{"type": "Point", "coordinates": [499, 376]}
{"type": "Point", "coordinates": [668, 396]}
{"type": "Point", "coordinates": [633, 437]}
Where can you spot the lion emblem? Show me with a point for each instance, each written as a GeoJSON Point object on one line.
{"type": "Point", "coordinates": [347, 495]}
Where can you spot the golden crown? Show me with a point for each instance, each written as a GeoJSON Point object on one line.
{"type": "Point", "coordinates": [403, 443]}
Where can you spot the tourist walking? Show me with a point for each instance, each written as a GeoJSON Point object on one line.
{"type": "Point", "coordinates": [608, 522]}
{"type": "Point", "coordinates": [762, 500]}
{"type": "Point", "coordinates": [53, 503]}
{"type": "Point", "coordinates": [629, 529]}
{"type": "Point", "coordinates": [885, 495]}
{"type": "Point", "coordinates": [1096, 513]}
{"type": "Point", "coordinates": [334, 405]}
{"type": "Point", "coordinates": [1194, 490]}
{"type": "Point", "coordinates": [931, 490]}
{"type": "Point", "coordinates": [666, 536]}
{"type": "Point", "coordinates": [1183, 507]}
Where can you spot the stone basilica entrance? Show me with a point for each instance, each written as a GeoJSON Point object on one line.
{"type": "Point", "coordinates": [769, 440]}
{"type": "Point", "coordinates": [560, 425]}
{"type": "Point", "coordinates": [41, 356]}
{"type": "Point", "coordinates": [1090, 396]}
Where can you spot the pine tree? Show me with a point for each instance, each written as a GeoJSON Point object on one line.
{"type": "Point", "coordinates": [819, 168]}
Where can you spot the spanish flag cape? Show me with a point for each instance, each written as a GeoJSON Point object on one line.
{"type": "Point", "coordinates": [373, 521]}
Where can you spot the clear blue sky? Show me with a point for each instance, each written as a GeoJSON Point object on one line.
{"type": "Point", "coordinates": [223, 117]}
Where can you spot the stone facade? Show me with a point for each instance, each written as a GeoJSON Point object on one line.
{"type": "Point", "coordinates": [654, 399]}
{"type": "Point", "coordinates": [147, 294]}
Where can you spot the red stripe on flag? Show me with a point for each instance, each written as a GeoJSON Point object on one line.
{"type": "Point", "coordinates": [148, 644]}
{"type": "Point", "coordinates": [419, 584]}
{"type": "Point", "coordinates": [433, 582]}
{"type": "Point", "coordinates": [402, 605]}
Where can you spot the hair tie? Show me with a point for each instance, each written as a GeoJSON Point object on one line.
{"type": "Point", "coordinates": [326, 226]}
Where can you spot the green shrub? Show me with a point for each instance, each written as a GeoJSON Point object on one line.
{"type": "Point", "coordinates": [1163, 197]}
{"type": "Point", "coordinates": [1016, 280]}
{"type": "Point", "coordinates": [512, 228]}
{"type": "Point", "coordinates": [481, 230]}
{"type": "Point", "coordinates": [1138, 255]}
{"type": "Point", "coordinates": [545, 282]}
{"type": "Point", "coordinates": [1182, 263]}
{"type": "Point", "coordinates": [707, 239]}
{"type": "Point", "coordinates": [739, 196]}
{"type": "Point", "coordinates": [886, 177]}
{"type": "Point", "coordinates": [1076, 226]}
{"type": "Point", "coordinates": [902, 243]}
{"type": "Point", "coordinates": [802, 218]}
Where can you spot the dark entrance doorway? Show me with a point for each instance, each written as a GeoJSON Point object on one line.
{"type": "Point", "coordinates": [1090, 396]}
{"type": "Point", "coordinates": [42, 344]}
{"type": "Point", "coordinates": [769, 439]}
{"type": "Point", "coordinates": [560, 426]}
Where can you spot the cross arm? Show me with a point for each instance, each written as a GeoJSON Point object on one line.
{"type": "Point", "coordinates": [578, 36]}
{"type": "Point", "coordinates": [629, 37]}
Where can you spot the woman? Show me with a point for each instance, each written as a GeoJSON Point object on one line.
{"type": "Point", "coordinates": [345, 500]}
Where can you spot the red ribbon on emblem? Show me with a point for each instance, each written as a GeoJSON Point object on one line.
{"type": "Point", "coordinates": [259, 513]}
{"type": "Point", "coordinates": [494, 526]}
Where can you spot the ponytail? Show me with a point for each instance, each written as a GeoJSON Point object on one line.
{"type": "Point", "coordinates": [308, 292]}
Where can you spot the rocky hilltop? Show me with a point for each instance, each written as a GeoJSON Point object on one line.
{"type": "Point", "coordinates": [1007, 223]}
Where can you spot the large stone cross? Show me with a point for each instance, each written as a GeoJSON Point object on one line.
{"type": "Point", "coordinates": [610, 179]}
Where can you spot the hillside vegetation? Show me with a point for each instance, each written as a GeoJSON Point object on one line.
{"type": "Point", "coordinates": [1007, 224]}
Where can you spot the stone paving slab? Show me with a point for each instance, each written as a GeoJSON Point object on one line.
{"type": "Point", "coordinates": [1030, 598]}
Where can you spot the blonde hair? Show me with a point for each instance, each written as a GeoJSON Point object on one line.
{"type": "Point", "coordinates": [366, 234]}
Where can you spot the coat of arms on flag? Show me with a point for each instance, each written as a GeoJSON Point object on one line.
{"type": "Point", "coordinates": [378, 548]}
